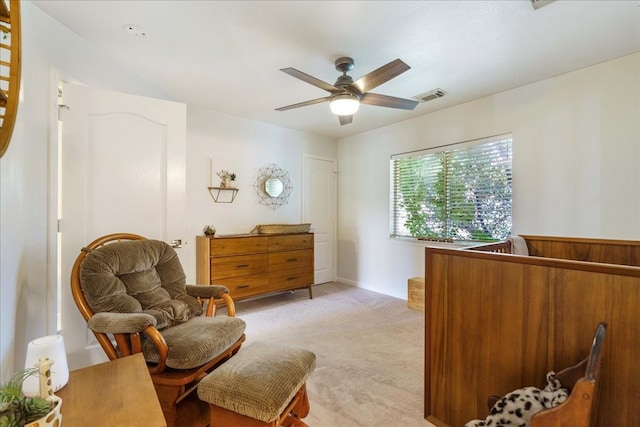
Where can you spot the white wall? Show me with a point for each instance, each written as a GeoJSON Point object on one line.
{"type": "Point", "coordinates": [244, 147]}
{"type": "Point", "coordinates": [576, 162]}
{"type": "Point", "coordinates": [27, 303]}
{"type": "Point", "coordinates": [24, 185]}
{"type": "Point", "coordinates": [576, 156]}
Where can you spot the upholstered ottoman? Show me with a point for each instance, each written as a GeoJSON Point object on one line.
{"type": "Point", "coordinates": [262, 385]}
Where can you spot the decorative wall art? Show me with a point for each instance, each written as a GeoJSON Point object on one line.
{"type": "Point", "coordinates": [273, 186]}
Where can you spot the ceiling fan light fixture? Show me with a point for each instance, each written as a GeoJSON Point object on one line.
{"type": "Point", "coordinates": [345, 104]}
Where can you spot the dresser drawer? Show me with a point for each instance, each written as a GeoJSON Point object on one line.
{"type": "Point", "coordinates": [290, 259]}
{"type": "Point", "coordinates": [236, 266]}
{"type": "Point", "coordinates": [256, 264]}
{"type": "Point", "coordinates": [289, 279]}
{"type": "Point", "coordinates": [293, 241]}
{"type": "Point", "coordinates": [240, 287]}
{"type": "Point", "coordinates": [238, 245]}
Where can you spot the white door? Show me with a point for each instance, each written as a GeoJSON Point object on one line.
{"type": "Point", "coordinates": [122, 170]}
{"type": "Point", "coordinates": [320, 209]}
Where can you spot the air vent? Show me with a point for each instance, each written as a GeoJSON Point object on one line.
{"type": "Point", "coordinates": [537, 4]}
{"type": "Point", "coordinates": [430, 96]}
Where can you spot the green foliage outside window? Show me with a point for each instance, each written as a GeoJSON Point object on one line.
{"type": "Point", "coordinates": [460, 194]}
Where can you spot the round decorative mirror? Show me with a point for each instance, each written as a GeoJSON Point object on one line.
{"type": "Point", "coordinates": [273, 186]}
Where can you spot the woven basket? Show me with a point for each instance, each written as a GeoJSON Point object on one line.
{"type": "Point", "coordinates": [281, 228]}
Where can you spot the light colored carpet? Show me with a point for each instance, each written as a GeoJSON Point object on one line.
{"type": "Point", "coordinates": [369, 349]}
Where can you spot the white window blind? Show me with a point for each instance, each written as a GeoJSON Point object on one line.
{"type": "Point", "coordinates": [457, 192]}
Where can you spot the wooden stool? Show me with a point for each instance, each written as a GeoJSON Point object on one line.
{"type": "Point", "coordinates": [263, 385]}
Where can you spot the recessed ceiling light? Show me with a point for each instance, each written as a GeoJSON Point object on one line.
{"type": "Point", "coordinates": [135, 30]}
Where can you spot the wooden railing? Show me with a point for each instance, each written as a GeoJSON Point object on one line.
{"type": "Point", "coordinates": [605, 251]}
{"type": "Point", "coordinates": [503, 247]}
{"type": "Point", "coordinates": [498, 322]}
{"type": "Point", "coordinates": [9, 69]}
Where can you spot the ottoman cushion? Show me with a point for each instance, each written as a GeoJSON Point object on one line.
{"type": "Point", "coordinates": [259, 381]}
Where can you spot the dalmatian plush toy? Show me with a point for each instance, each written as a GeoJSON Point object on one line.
{"type": "Point", "coordinates": [516, 408]}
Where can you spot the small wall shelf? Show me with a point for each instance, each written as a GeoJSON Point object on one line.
{"type": "Point", "coordinates": [216, 192]}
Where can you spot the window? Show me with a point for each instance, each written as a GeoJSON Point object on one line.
{"type": "Point", "coordinates": [457, 192]}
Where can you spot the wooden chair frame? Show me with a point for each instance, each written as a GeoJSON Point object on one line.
{"type": "Point", "coordinates": [582, 379]}
{"type": "Point", "coordinates": [291, 416]}
{"type": "Point", "coordinates": [172, 385]}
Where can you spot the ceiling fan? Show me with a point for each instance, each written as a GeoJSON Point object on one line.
{"type": "Point", "coordinates": [346, 94]}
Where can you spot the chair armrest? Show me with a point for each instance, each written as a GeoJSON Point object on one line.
{"type": "Point", "coordinates": [207, 291]}
{"type": "Point", "coordinates": [120, 323]}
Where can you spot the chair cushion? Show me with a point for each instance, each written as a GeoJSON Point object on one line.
{"type": "Point", "coordinates": [138, 276]}
{"type": "Point", "coordinates": [259, 381]}
{"type": "Point", "coordinates": [197, 341]}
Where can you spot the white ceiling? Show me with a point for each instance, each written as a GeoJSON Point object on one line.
{"type": "Point", "coordinates": [226, 55]}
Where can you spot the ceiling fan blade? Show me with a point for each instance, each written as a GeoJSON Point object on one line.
{"type": "Point", "coordinates": [388, 101]}
{"type": "Point", "coordinates": [304, 104]}
{"type": "Point", "coordinates": [380, 76]}
{"type": "Point", "coordinates": [311, 80]}
{"type": "Point", "coordinates": [345, 120]}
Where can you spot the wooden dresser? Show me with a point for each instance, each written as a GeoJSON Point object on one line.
{"type": "Point", "coordinates": [251, 264]}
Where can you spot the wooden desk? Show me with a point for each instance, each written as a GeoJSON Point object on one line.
{"type": "Point", "coordinates": [116, 393]}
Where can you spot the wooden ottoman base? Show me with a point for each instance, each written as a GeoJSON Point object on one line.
{"type": "Point", "coordinates": [263, 385]}
{"type": "Point", "coordinates": [291, 417]}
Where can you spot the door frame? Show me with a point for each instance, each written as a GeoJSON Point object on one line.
{"type": "Point", "coordinates": [304, 197]}
{"type": "Point", "coordinates": [54, 280]}
{"type": "Point", "coordinates": [151, 143]}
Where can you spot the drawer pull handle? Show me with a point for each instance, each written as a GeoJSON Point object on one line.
{"type": "Point", "coordinates": [291, 278]}
{"type": "Point", "coordinates": [242, 265]}
{"type": "Point", "coordinates": [243, 286]}
{"type": "Point", "coordinates": [292, 259]}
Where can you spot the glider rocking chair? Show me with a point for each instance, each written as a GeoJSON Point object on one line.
{"type": "Point", "coordinates": [133, 291]}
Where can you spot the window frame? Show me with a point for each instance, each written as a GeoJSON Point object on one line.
{"type": "Point", "coordinates": [398, 216]}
